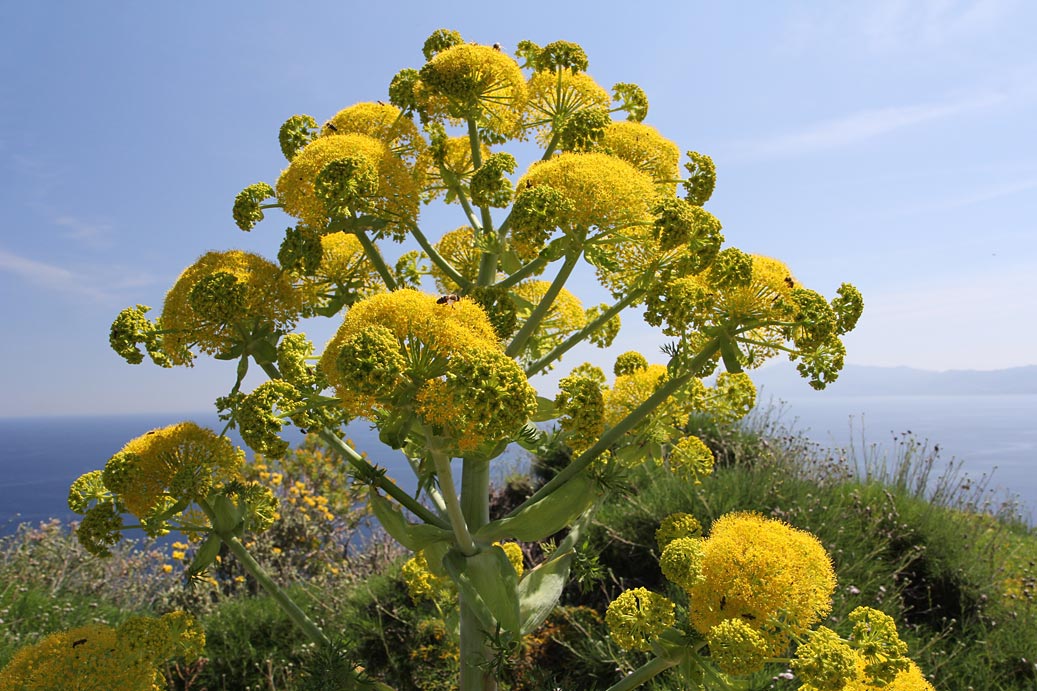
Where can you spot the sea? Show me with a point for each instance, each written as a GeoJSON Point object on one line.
{"type": "Point", "coordinates": [992, 438]}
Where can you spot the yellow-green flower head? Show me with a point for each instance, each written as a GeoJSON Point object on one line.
{"type": "Point", "coordinates": [825, 662]}
{"type": "Point", "coordinates": [535, 215]}
{"type": "Point", "coordinates": [220, 295]}
{"type": "Point", "coordinates": [631, 390]}
{"type": "Point", "coordinates": [296, 132]}
{"type": "Point", "coordinates": [514, 553]}
{"type": "Point", "coordinates": [246, 205]}
{"type": "Point", "coordinates": [605, 334]}
{"type": "Point", "coordinates": [848, 305]}
{"type": "Point", "coordinates": [778, 579]}
{"type": "Point", "coordinates": [638, 617]}
{"type": "Point", "coordinates": [632, 99]}
{"type": "Point", "coordinates": [85, 490]}
{"type": "Point", "coordinates": [565, 315]}
{"type": "Point", "coordinates": [681, 561]}
{"type": "Point", "coordinates": [421, 583]}
{"type": "Point", "coordinates": [499, 307]}
{"type": "Point", "coordinates": [100, 529]}
{"type": "Point", "coordinates": [642, 146]}
{"type": "Point", "coordinates": [876, 639]}
{"type": "Point", "coordinates": [292, 353]}
{"type": "Point", "coordinates": [439, 40]}
{"type": "Point", "coordinates": [736, 647]}
{"type": "Point", "coordinates": [470, 80]}
{"type": "Point", "coordinates": [629, 362]}
{"type": "Point", "coordinates": [257, 422]}
{"type": "Point", "coordinates": [731, 398]}
{"type": "Point", "coordinates": [561, 56]}
{"type": "Point", "coordinates": [182, 461]}
{"type": "Point", "coordinates": [97, 657]}
{"type": "Point", "coordinates": [582, 408]}
{"type": "Point", "coordinates": [690, 459]}
{"type": "Point", "coordinates": [611, 193]}
{"type": "Point", "coordinates": [130, 329]}
{"type": "Point", "coordinates": [344, 273]}
{"type": "Point", "coordinates": [589, 371]}
{"type": "Point", "coordinates": [908, 679]}
{"type": "Point", "coordinates": [702, 178]}
{"type": "Point", "coordinates": [454, 156]}
{"type": "Point", "coordinates": [484, 397]}
{"type": "Point", "coordinates": [395, 198]}
{"type": "Point", "coordinates": [678, 223]}
{"type": "Point", "coordinates": [381, 121]}
{"type": "Point", "coordinates": [489, 186]}
{"type": "Point", "coordinates": [458, 247]}
{"type": "Point", "coordinates": [556, 97]}
{"type": "Point", "coordinates": [467, 388]}
{"type": "Point", "coordinates": [677, 525]}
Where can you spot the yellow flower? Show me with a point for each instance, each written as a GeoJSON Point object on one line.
{"type": "Point", "coordinates": [218, 296]}
{"type": "Point", "coordinates": [474, 81]}
{"type": "Point", "coordinates": [167, 568]}
{"type": "Point", "coordinates": [554, 96]}
{"type": "Point", "coordinates": [690, 459]}
{"type": "Point", "coordinates": [607, 192]}
{"type": "Point", "coordinates": [460, 249]}
{"type": "Point", "coordinates": [381, 121]}
{"type": "Point", "coordinates": [642, 146]}
{"type": "Point", "coordinates": [638, 617]}
{"type": "Point", "coordinates": [736, 647]}
{"type": "Point", "coordinates": [182, 461]}
{"type": "Point", "coordinates": [514, 554]}
{"type": "Point", "coordinates": [631, 390]}
{"type": "Point", "coordinates": [343, 269]}
{"type": "Point", "coordinates": [396, 195]}
{"type": "Point", "coordinates": [776, 578]}
{"type": "Point", "coordinates": [677, 525]}
{"type": "Point", "coordinates": [565, 316]}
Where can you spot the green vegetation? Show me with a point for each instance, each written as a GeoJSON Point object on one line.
{"type": "Point", "coordinates": [956, 572]}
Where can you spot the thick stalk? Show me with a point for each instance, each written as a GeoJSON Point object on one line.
{"type": "Point", "coordinates": [577, 337]}
{"type": "Point", "coordinates": [642, 674]}
{"type": "Point", "coordinates": [625, 425]}
{"type": "Point", "coordinates": [475, 505]}
{"type": "Point", "coordinates": [540, 311]}
{"type": "Point", "coordinates": [253, 567]}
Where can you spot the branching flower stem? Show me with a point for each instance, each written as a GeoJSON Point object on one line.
{"type": "Point", "coordinates": [642, 674]}
{"type": "Point", "coordinates": [541, 310]}
{"type": "Point", "coordinates": [613, 434]}
{"type": "Point", "coordinates": [438, 259]}
{"type": "Point", "coordinates": [582, 334]}
{"type": "Point", "coordinates": [375, 257]}
{"type": "Point", "coordinates": [365, 469]}
{"type": "Point", "coordinates": [524, 271]}
{"type": "Point", "coordinates": [253, 567]}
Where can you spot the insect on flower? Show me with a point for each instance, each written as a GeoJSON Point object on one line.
{"type": "Point", "coordinates": [81, 641]}
{"type": "Point", "coordinates": [447, 299]}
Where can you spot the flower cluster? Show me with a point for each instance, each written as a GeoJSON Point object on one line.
{"type": "Point", "coordinates": [97, 657]}
{"type": "Point", "coordinates": [404, 357]}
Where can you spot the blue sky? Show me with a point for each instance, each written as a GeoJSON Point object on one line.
{"type": "Point", "coordinates": [887, 143]}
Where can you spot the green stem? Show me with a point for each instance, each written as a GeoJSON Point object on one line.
{"type": "Point", "coordinates": [488, 262]}
{"type": "Point", "coordinates": [540, 311]}
{"type": "Point", "coordinates": [524, 271]}
{"type": "Point", "coordinates": [438, 259]}
{"type": "Point", "coordinates": [453, 507]}
{"type": "Point", "coordinates": [475, 505]}
{"type": "Point", "coordinates": [375, 257]}
{"type": "Point", "coordinates": [577, 337]}
{"type": "Point", "coordinates": [475, 492]}
{"type": "Point", "coordinates": [642, 674]}
{"type": "Point", "coordinates": [253, 567]}
{"type": "Point", "coordinates": [451, 181]}
{"type": "Point", "coordinates": [625, 425]}
{"type": "Point", "coordinates": [366, 470]}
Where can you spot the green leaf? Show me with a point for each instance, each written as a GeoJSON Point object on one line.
{"type": "Point", "coordinates": [547, 516]}
{"type": "Point", "coordinates": [413, 536]}
{"type": "Point", "coordinates": [530, 437]}
{"type": "Point", "coordinates": [631, 455]}
{"type": "Point", "coordinates": [540, 589]}
{"type": "Point", "coordinates": [205, 555]}
{"type": "Point", "coordinates": [226, 514]}
{"type": "Point", "coordinates": [545, 410]}
{"type": "Point", "coordinates": [263, 351]}
{"type": "Point", "coordinates": [488, 584]}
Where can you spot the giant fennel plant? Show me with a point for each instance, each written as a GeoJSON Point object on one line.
{"type": "Point", "coordinates": [445, 375]}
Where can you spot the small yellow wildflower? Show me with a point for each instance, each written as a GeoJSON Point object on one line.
{"type": "Point", "coordinates": [638, 617]}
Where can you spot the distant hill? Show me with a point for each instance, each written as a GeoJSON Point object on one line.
{"type": "Point", "coordinates": [783, 381]}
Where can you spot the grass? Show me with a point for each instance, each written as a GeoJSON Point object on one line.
{"type": "Point", "coordinates": [908, 534]}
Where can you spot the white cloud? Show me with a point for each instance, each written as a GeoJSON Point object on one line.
{"type": "Point", "coordinates": [860, 126]}
{"type": "Point", "coordinates": [97, 284]}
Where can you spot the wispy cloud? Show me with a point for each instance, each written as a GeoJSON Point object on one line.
{"type": "Point", "coordinates": [860, 126]}
{"type": "Point", "coordinates": [94, 234]}
{"type": "Point", "coordinates": [891, 27]}
{"type": "Point", "coordinates": [103, 284]}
